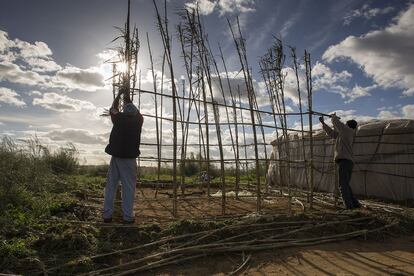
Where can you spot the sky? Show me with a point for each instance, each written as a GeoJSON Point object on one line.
{"type": "Point", "coordinates": [53, 75]}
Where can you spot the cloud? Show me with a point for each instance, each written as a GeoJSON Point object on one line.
{"type": "Point", "coordinates": [326, 79]}
{"type": "Point", "coordinates": [69, 78]}
{"type": "Point", "coordinates": [84, 79]}
{"type": "Point", "coordinates": [351, 114]}
{"type": "Point", "coordinates": [80, 136]}
{"type": "Point", "coordinates": [408, 111]}
{"type": "Point", "coordinates": [35, 93]}
{"type": "Point", "coordinates": [14, 74]}
{"type": "Point", "coordinates": [384, 55]}
{"type": "Point", "coordinates": [237, 84]}
{"type": "Point", "coordinates": [10, 97]}
{"type": "Point", "coordinates": [207, 7]}
{"type": "Point", "coordinates": [26, 49]}
{"type": "Point", "coordinates": [289, 24]}
{"type": "Point", "coordinates": [32, 64]}
{"type": "Point", "coordinates": [108, 54]}
{"type": "Point", "coordinates": [359, 91]}
{"type": "Point", "coordinates": [365, 12]}
{"type": "Point", "coordinates": [42, 65]}
{"type": "Point", "coordinates": [385, 113]}
{"type": "Point", "coordinates": [235, 6]}
{"type": "Point", "coordinates": [59, 103]}
{"type": "Point", "coordinates": [36, 56]}
{"type": "Point", "coordinates": [5, 43]}
{"type": "Point", "coordinates": [291, 88]}
{"type": "Point", "coordinates": [52, 126]}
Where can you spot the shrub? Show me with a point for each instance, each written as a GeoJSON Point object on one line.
{"type": "Point", "coordinates": [29, 167]}
{"type": "Point", "coordinates": [94, 170]}
{"type": "Point", "coordinates": [64, 160]}
{"type": "Point", "coordinates": [19, 171]}
{"type": "Point", "coordinates": [12, 250]}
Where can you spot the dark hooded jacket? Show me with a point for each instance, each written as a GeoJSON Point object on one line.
{"type": "Point", "coordinates": [125, 135]}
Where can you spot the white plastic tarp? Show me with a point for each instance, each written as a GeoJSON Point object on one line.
{"type": "Point", "coordinates": [383, 154]}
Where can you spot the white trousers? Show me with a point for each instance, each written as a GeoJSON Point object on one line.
{"type": "Point", "coordinates": [124, 170]}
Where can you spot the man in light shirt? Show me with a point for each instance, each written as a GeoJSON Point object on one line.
{"type": "Point", "coordinates": [344, 137]}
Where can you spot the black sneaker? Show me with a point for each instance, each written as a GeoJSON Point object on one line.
{"type": "Point", "coordinates": [107, 220]}
{"type": "Point", "coordinates": [357, 206]}
{"type": "Point", "coordinates": [128, 221]}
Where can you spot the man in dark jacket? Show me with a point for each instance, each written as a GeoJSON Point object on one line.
{"type": "Point", "coordinates": [124, 147]}
{"type": "Point", "coordinates": [343, 156]}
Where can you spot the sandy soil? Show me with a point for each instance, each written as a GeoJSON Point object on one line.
{"type": "Point", "coordinates": [194, 205]}
{"type": "Point", "coordinates": [393, 256]}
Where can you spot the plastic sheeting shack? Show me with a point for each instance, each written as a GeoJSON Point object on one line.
{"type": "Point", "coordinates": [383, 154]}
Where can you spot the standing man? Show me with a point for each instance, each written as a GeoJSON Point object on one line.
{"type": "Point", "coordinates": [124, 147]}
{"type": "Point", "coordinates": [344, 138]}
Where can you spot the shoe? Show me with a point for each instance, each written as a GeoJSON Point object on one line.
{"type": "Point", "coordinates": [357, 206]}
{"type": "Point", "coordinates": [107, 220]}
{"type": "Point", "coordinates": [124, 221]}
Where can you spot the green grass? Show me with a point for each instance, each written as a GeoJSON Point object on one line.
{"type": "Point", "coordinates": [39, 187]}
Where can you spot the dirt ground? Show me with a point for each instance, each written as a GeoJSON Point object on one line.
{"type": "Point", "coordinates": [194, 205]}
{"type": "Point", "coordinates": [392, 256]}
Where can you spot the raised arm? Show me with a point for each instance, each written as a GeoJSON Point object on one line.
{"type": "Point", "coordinates": [331, 133]}
{"type": "Point", "coordinates": [115, 107]}
{"type": "Point", "coordinates": [337, 124]}
{"type": "Point", "coordinates": [115, 103]}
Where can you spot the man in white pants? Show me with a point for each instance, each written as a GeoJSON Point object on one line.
{"type": "Point", "coordinates": [124, 148]}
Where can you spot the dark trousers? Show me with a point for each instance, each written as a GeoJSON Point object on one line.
{"type": "Point", "coordinates": [345, 167]}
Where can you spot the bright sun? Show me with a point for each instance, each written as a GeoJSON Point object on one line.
{"type": "Point", "coordinates": [121, 67]}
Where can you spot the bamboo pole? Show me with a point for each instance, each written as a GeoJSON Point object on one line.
{"type": "Point", "coordinates": [113, 80]}
{"type": "Point", "coordinates": [244, 136]}
{"type": "Point", "coordinates": [127, 51]}
{"type": "Point", "coordinates": [267, 80]}
{"type": "Point", "coordinates": [237, 184]}
{"type": "Point", "coordinates": [139, 158]}
{"type": "Point", "coordinates": [136, 51]}
{"type": "Point", "coordinates": [205, 58]}
{"type": "Point", "coordinates": [261, 127]}
{"type": "Point", "coordinates": [241, 50]}
{"type": "Point", "coordinates": [187, 38]}
{"type": "Point", "coordinates": [188, 61]}
{"type": "Point", "coordinates": [166, 43]}
{"type": "Point", "coordinates": [277, 60]}
{"type": "Point", "coordinates": [154, 79]}
{"type": "Point", "coordinates": [236, 129]}
{"type": "Point", "coordinates": [202, 144]}
{"type": "Point", "coordinates": [309, 89]}
{"type": "Point", "coordinates": [295, 68]}
{"type": "Point", "coordinates": [219, 138]}
{"type": "Point", "coordinates": [223, 180]}
{"type": "Point", "coordinates": [222, 105]}
{"type": "Point", "coordinates": [206, 132]}
{"type": "Point", "coordinates": [183, 143]}
{"type": "Point", "coordinates": [225, 124]}
{"type": "Point", "coordinates": [223, 95]}
{"type": "Point", "coordinates": [160, 118]}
